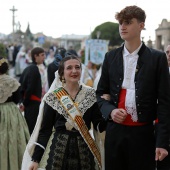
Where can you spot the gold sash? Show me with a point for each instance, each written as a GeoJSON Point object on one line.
{"type": "Point", "coordinates": [73, 111]}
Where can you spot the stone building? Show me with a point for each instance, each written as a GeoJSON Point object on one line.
{"type": "Point", "coordinates": [72, 41]}
{"type": "Point", "coordinates": [162, 35]}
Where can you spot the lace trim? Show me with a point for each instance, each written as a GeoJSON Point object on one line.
{"type": "Point", "coordinates": [130, 104]}
{"type": "Point", "coordinates": [85, 99]}
{"type": "Point", "coordinates": [130, 67]}
{"type": "Point", "coordinates": [8, 85]}
{"type": "Point", "coordinates": [133, 113]}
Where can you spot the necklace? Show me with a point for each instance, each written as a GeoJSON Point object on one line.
{"type": "Point", "coordinates": [75, 95]}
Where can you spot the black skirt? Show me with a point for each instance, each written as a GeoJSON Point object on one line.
{"type": "Point", "coordinates": [69, 152]}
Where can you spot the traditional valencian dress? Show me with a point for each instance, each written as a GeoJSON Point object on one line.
{"type": "Point", "coordinates": [14, 134]}
{"type": "Point", "coordinates": [68, 149]}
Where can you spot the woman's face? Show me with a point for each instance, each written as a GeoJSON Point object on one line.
{"type": "Point", "coordinates": [72, 71]}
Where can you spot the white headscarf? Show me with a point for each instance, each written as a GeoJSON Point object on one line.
{"type": "Point", "coordinates": [32, 142]}
{"type": "Point", "coordinates": [26, 162]}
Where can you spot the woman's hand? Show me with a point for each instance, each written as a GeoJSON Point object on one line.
{"type": "Point", "coordinates": [106, 97]}
{"type": "Point", "coordinates": [33, 166]}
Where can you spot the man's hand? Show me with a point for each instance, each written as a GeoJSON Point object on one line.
{"type": "Point", "coordinates": [161, 153]}
{"type": "Point", "coordinates": [118, 115]}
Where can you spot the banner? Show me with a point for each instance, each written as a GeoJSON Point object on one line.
{"type": "Point", "coordinates": [95, 50]}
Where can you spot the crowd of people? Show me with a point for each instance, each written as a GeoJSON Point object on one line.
{"type": "Point", "coordinates": [46, 114]}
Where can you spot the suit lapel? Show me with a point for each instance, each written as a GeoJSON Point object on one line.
{"type": "Point", "coordinates": [140, 61]}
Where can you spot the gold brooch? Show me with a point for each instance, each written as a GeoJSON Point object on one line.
{"type": "Point", "coordinates": [76, 103]}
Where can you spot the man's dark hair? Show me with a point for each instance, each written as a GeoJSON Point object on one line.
{"type": "Point", "coordinates": [61, 51]}
{"type": "Point", "coordinates": [36, 51]}
{"type": "Point", "coordinates": [129, 13]}
{"type": "Point", "coordinates": [71, 52]}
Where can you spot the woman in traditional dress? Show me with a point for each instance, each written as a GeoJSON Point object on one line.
{"type": "Point", "coordinates": [14, 133]}
{"type": "Point", "coordinates": [69, 110]}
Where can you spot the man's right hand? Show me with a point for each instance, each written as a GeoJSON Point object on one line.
{"type": "Point", "coordinates": [118, 115]}
{"type": "Point", "coordinates": [33, 166]}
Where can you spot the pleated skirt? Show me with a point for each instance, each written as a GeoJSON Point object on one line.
{"type": "Point", "coordinates": [14, 136]}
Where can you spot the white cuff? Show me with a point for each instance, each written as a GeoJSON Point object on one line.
{"type": "Point", "coordinates": [39, 145]}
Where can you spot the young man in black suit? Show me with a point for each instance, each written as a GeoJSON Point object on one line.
{"type": "Point", "coordinates": [31, 88]}
{"type": "Point", "coordinates": [137, 79]}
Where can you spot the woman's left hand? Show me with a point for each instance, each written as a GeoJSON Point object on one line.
{"type": "Point", "coordinates": [106, 97]}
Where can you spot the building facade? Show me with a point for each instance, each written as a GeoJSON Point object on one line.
{"type": "Point", "coordinates": [162, 35]}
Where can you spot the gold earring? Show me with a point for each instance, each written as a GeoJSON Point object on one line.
{"type": "Point", "coordinates": [63, 81]}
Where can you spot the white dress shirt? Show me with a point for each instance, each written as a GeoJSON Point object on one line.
{"type": "Point", "coordinates": [130, 62]}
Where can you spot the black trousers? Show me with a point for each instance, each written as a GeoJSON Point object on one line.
{"type": "Point", "coordinates": [31, 114]}
{"type": "Point", "coordinates": [129, 147]}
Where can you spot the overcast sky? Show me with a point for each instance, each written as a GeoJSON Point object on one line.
{"type": "Point", "coordinates": [58, 17]}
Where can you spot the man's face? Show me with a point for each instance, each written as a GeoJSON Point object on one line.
{"type": "Point", "coordinates": [131, 29]}
{"type": "Point", "coordinates": [39, 59]}
{"type": "Point", "coordinates": [168, 54]}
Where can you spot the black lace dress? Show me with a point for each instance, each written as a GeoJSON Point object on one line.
{"type": "Point", "coordinates": [68, 150]}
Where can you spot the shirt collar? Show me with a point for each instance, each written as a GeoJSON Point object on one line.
{"type": "Point", "coordinates": [126, 52]}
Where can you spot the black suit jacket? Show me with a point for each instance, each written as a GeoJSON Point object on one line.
{"type": "Point", "coordinates": [51, 69]}
{"type": "Point", "coordinates": [152, 87]}
{"type": "Point", "coordinates": [30, 83]}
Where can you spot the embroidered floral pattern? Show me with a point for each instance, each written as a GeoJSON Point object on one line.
{"type": "Point", "coordinates": [8, 85]}
{"type": "Point", "coordinates": [85, 99]}
{"type": "Point", "coordinates": [69, 152]}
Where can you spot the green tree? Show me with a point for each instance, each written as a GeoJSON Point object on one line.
{"type": "Point", "coordinates": [108, 31]}
{"type": "Point", "coordinates": [3, 52]}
